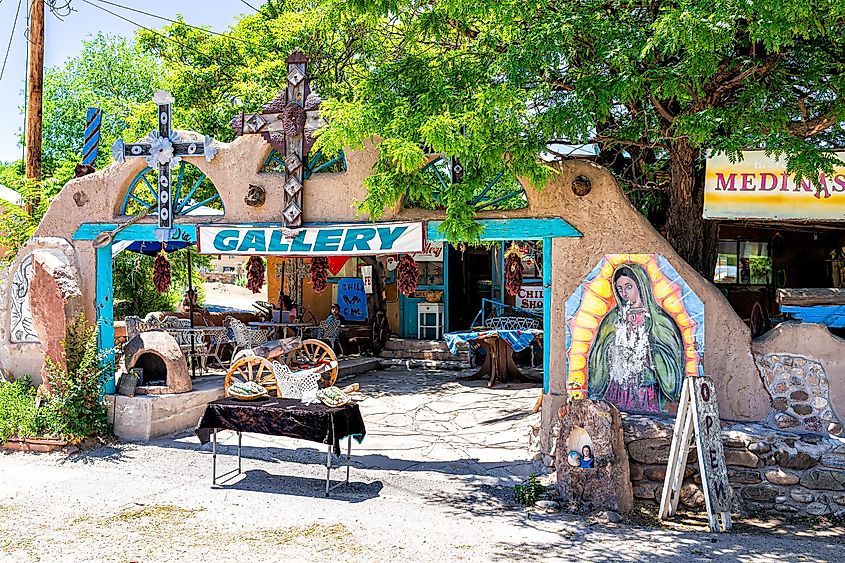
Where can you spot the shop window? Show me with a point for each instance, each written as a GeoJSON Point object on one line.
{"type": "Point", "coordinates": [743, 262]}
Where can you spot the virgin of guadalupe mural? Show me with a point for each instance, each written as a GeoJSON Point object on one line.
{"type": "Point", "coordinates": [634, 330]}
{"type": "Point", "coordinates": [637, 360]}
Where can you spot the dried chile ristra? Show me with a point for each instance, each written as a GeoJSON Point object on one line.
{"type": "Point", "coordinates": [255, 273]}
{"type": "Point", "coordinates": [319, 273]}
{"type": "Point", "coordinates": [513, 273]}
{"type": "Point", "coordinates": [408, 276]}
{"type": "Point", "coordinates": [162, 273]}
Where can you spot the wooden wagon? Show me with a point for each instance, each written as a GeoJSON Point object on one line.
{"type": "Point", "coordinates": [256, 364]}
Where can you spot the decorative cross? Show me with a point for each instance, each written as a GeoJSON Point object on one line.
{"type": "Point", "coordinates": [163, 149]}
{"type": "Point", "coordinates": [288, 123]}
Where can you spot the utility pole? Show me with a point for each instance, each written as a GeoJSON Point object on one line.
{"type": "Point", "coordinates": [35, 89]}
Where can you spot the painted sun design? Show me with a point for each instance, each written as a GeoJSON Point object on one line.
{"type": "Point", "coordinates": [595, 298]}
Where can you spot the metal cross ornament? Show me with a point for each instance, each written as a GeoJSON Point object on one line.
{"type": "Point", "coordinates": [288, 123]}
{"type": "Point", "coordinates": [163, 149]}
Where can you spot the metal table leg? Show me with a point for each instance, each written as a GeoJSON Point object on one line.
{"type": "Point", "coordinates": [214, 459]}
{"type": "Point", "coordinates": [329, 486]}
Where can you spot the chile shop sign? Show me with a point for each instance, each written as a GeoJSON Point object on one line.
{"type": "Point", "coordinates": [361, 239]}
{"type": "Point", "coordinates": [698, 412]}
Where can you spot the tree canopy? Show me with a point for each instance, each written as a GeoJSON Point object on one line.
{"type": "Point", "coordinates": [654, 84]}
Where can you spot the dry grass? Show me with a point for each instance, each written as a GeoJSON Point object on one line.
{"type": "Point", "coordinates": [334, 538]}
{"type": "Point", "coordinates": [154, 514]}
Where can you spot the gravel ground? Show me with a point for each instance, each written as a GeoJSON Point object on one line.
{"type": "Point", "coordinates": [408, 501]}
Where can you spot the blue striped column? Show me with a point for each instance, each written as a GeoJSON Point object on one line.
{"type": "Point", "coordinates": [93, 119]}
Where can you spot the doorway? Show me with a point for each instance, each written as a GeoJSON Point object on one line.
{"type": "Point", "coordinates": [470, 281]}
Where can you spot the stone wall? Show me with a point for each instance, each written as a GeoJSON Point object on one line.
{"type": "Point", "coordinates": [802, 366]}
{"type": "Point", "coordinates": [770, 471]}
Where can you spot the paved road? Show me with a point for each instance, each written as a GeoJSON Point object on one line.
{"type": "Point", "coordinates": [432, 481]}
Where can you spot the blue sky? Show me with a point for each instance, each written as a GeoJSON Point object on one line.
{"type": "Point", "coordinates": [64, 39]}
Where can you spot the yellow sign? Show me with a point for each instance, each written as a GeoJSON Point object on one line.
{"type": "Point", "coordinates": [759, 187]}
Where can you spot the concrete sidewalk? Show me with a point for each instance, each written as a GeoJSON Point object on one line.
{"type": "Point", "coordinates": [431, 482]}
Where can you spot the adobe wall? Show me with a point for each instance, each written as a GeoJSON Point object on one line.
{"type": "Point", "coordinates": [605, 217]}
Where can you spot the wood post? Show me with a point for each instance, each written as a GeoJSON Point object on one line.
{"type": "Point", "coordinates": [34, 107]}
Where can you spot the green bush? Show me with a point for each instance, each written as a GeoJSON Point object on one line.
{"type": "Point", "coordinates": [76, 402]}
{"type": "Point", "coordinates": [529, 492]}
{"type": "Point", "coordinates": [18, 416]}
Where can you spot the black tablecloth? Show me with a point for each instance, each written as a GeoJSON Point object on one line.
{"type": "Point", "coordinates": [283, 417]}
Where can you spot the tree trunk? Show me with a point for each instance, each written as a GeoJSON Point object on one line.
{"type": "Point", "coordinates": [693, 237]}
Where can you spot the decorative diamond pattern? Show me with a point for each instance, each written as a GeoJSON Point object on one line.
{"type": "Point", "coordinates": [292, 186]}
{"type": "Point", "coordinates": [291, 212]}
{"type": "Point", "coordinates": [295, 76]}
{"type": "Point", "coordinates": [292, 163]}
{"type": "Point", "coordinates": [255, 123]}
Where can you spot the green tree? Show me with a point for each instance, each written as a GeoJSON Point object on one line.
{"type": "Point", "coordinates": [655, 83]}
{"type": "Point", "coordinates": [18, 222]}
{"type": "Point", "coordinates": [109, 73]}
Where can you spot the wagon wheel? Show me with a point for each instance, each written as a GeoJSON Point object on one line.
{"type": "Point", "coordinates": [313, 353]}
{"type": "Point", "coordinates": [381, 332]}
{"type": "Point", "coordinates": [252, 368]}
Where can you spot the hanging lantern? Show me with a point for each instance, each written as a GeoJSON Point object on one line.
{"type": "Point", "coordinates": [513, 270]}
{"type": "Point", "coordinates": [319, 274]}
{"type": "Point", "coordinates": [408, 275]}
{"type": "Point", "coordinates": [161, 273]}
{"type": "Point", "coordinates": [255, 273]}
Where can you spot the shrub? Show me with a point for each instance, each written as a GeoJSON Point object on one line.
{"type": "Point", "coordinates": [17, 409]}
{"type": "Point", "coordinates": [76, 401]}
{"type": "Point", "coordinates": [529, 492]}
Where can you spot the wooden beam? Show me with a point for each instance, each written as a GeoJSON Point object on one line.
{"type": "Point", "coordinates": [808, 297]}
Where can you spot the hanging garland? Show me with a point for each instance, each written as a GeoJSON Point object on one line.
{"type": "Point", "coordinates": [513, 270]}
{"type": "Point", "coordinates": [161, 273]}
{"type": "Point", "coordinates": [255, 273]}
{"type": "Point", "coordinates": [319, 274]}
{"type": "Point", "coordinates": [408, 275]}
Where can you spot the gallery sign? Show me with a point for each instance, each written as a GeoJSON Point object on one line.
{"type": "Point", "coordinates": [759, 187]}
{"type": "Point", "coordinates": [362, 239]}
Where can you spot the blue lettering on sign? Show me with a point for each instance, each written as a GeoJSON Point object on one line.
{"type": "Point", "coordinates": [298, 244]}
{"type": "Point", "coordinates": [328, 240]}
{"type": "Point", "coordinates": [277, 243]}
{"type": "Point", "coordinates": [388, 236]}
{"type": "Point", "coordinates": [226, 240]}
{"type": "Point", "coordinates": [352, 299]}
{"type": "Point", "coordinates": [358, 239]}
{"type": "Point", "coordinates": [253, 240]}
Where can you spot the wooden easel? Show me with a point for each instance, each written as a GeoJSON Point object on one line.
{"type": "Point", "coordinates": [698, 413]}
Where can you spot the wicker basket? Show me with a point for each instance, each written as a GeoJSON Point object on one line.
{"type": "Point", "coordinates": [433, 296]}
{"type": "Point", "coordinates": [248, 397]}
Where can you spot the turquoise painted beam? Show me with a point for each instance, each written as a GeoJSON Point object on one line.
{"type": "Point", "coordinates": [513, 229]}
{"type": "Point", "coordinates": [105, 314]}
{"type": "Point", "coordinates": [547, 311]}
{"type": "Point", "coordinates": [139, 232]}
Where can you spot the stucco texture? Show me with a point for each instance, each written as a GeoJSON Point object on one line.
{"type": "Point", "coordinates": [609, 223]}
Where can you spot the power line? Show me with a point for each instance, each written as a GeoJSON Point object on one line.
{"type": "Point", "coordinates": [251, 6]}
{"type": "Point", "coordinates": [174, 21]}
{"type": "Point", "coordinates": [11, 37]}
{"type": "Point", "coordinates": [153, 31]}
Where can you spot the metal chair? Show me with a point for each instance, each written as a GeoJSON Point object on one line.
{"type": "Point", "coordinates": [265, 310]}
{"type": "Point", "coordinates": [329, 332]}
{"type": "Point", "coordinates": [135, 326]}
{"type": "Point", "coordinates": [245, 338]}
